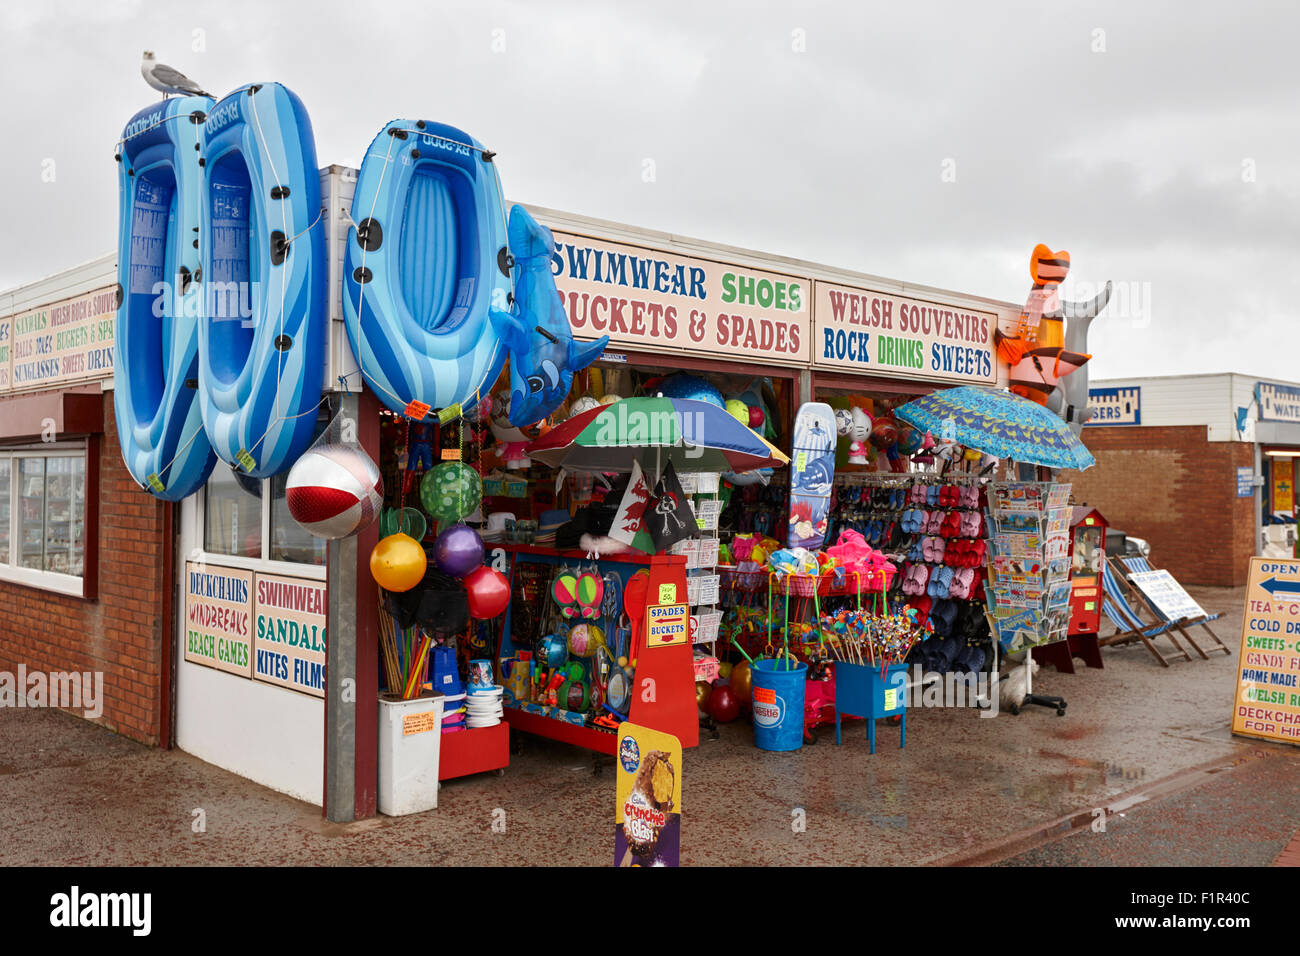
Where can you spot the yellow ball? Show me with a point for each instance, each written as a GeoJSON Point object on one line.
{"type": "Point", "coordinates": [398, 562]}
{"type": "Point", "coordinates": [738, 410]}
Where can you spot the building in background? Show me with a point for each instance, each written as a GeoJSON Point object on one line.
{"type": "Point", "coordinates": [1201, 466]}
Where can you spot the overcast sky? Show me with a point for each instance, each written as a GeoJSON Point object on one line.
{"type": "Point", "coordinates": [1157, 142]}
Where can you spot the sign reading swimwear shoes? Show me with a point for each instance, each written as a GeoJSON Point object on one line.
{"type": "Point", "coordinates": [1267, 702]}
{"type": "Point", "coordinates": [650, 298]}
{"type": "Point", "coordinates": [877, 333]}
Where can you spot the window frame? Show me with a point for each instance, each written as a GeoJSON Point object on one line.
{"type": "Point", "coordinates": [264, 563]}
{"type": "Point", "coordinates": [82, 585]}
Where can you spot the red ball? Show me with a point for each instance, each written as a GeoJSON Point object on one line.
{"type": "Point", "coordinates": [489, 592]}
{"type": "Point", "coordinates": [723, 704]}
{"type": "Point", "coordinates": [756, 418]}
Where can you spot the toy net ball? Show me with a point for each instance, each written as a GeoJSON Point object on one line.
{"type": "Point", "coordinates": [451, 491]}
{"type": "Point", "coordinates": [722, 704]}
{"type": "Point", "coordinates": [585, 640]}
{"type": "Point", "coordinates": [334, 491]}
{"type": "Point", "coordinates": [554, 650]}
{"type": "Point", "coordinates": [488, 592]}
{"type": "Point", "coordinates": [458, 551]}
{"type": "Point", "coordinates": [398, 562]}
{"type": "Point", "coordinates": [738, 410]}
{"type": "Point", "coordinates": [574, 695]}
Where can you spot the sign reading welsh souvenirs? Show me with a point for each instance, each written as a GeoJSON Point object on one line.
{"type": "Point", "coordinates": [1267, 702]}
{"type": "Point", "coordinates": [657, 300]}
{"type": "Point", "coordinates": [219, 618]}
{"type": "Point", "coordinates": [68, 341]}
{"type": "Point", "coordinates": [875, 333]}
{"type": "Point", "coordinates": [289, 632]}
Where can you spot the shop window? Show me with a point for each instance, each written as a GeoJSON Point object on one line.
{"type": "Point", "coordinates": [43, 518]}
{"type": "Point", "coordinates": [232, 519]}
{"type": "Point", "coordinates": [289, 542]}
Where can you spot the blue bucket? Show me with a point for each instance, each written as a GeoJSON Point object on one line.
{"type": "Point", "coordinates": [778, 699]}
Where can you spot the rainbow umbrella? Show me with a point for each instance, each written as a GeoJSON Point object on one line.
{"type": "Point", "coordinates": [996, 422]}
{"type": "Point", "coordinates": [694, 436]}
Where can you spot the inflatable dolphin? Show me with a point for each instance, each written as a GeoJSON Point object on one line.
{"type": "Point", "coordinates": [536, 332]}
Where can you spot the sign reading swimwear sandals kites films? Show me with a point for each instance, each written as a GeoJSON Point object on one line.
{"type": "Point", "coordinates": [1267, 700]}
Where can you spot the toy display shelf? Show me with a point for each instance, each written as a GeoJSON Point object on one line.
{"type": "Point", "coordinates": [673, 710]}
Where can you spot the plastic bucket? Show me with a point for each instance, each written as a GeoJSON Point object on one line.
{"type": "Point", "coordinates": [778, 697]}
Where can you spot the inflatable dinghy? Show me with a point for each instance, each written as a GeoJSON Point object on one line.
{"type": "Point", "coordinates": [263, 332]}
{"type": "Point", "coordinates": [155, 395]}
{"type": "Point", "coordinates": [426, 263]}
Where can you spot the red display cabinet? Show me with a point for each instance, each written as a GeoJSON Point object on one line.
{"type": "Point", "coordinates": [1088, 550]}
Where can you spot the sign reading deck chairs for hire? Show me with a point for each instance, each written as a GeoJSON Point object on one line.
{"type": "Point", "coordinates": [1267, 701]}
{"type": "Point", "coordinates": [1167, 595]}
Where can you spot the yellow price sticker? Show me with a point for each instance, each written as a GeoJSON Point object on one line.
{"type": "Point", "coordinates": [450, 413]}
{"type": "Point", "coordinates": [667, 594]}
{"type": "Point", "coordinates": [891, 698]}
{"type": "Point", "coordinates": [801, 461]}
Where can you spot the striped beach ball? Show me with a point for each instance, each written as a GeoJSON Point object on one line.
{"type": "Point", "coordinates": [334, 491]}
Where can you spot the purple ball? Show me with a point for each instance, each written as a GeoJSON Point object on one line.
{"type": "Point", "coordinates": [458, 550]}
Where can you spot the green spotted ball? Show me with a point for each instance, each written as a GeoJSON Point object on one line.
{"type": "Point", "coordinates": [451, 491]}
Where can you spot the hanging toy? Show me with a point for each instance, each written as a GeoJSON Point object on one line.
{"type": "Point", "coordinates": [333, 491]}
{"type": "Point", "coordinates": [398, 562]}
{"type": "Point", "coordinates": [458, 550]}
{"type": "Point", "coordinates": [451, 492]}
{"type": "Point", "coordinates": [488, 591]}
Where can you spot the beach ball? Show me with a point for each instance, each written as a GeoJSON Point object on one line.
{"type": "Point", "coordinates": [488, 591]}
{"type": "Point", "coordinates": [909, 441]}
{"type": "Point", "coordinates": [451, 491]}
{"type": "Point", "coordinates": [843, 422]}
{"type": "Point", "coordinates": [691, 387]}
{"type": "Point", "coordinates": [584, 404]}
{"type": "Point", "coordinates": [398, 562]}
{"type": "Point", "coordinates": [574, 695]}
{"type": "Point", "coordinates": [742, 682]}
{"type": "Point", "coordinates": [553, 650]}
{"type": "Point", "coordinates": [333, 491]}
{"type": "Point", "coordinates": [585, 640]}
{"type": "Point", "coordinates": [458, 550]}
{"type": "Point", "coordinates": [723, 705]}
{"type": "Point", "coordinates": [738, 410]}
{"type": "Point", "coordinates": [884, 432]}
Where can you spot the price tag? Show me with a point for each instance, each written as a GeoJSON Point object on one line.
{"type": "Point", "coordinates": [450, 413]}
{"type": "Point", "coordinates": [156, 484]}
{"type": "Point", "coordinates": [419, 723]}
{"type": "Point", "coordinates": [246, 461]}
{"type": "Point", "coordinates": [891, 698]}
{"type": "Point", "coordinates": [801, 461]}
{"type": "Point", "coordinates": [451, 454]}
{"type": "Point", "coordinates": [667, 594]}
{"type": "Point", "coordinates": [416, 409]}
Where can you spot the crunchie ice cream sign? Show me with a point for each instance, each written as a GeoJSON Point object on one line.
{"type": "Point", "coordinates": [652, 299]}
{"type": "Point", "coordinates": [875, 333]}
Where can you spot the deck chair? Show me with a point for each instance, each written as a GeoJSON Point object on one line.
{"type": "Point", "coordinates": [1139, 565]}
{"type": "Point", "coordinates": [1128, 626]}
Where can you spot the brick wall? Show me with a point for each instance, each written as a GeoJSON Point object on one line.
{"type": "Point", "coordinates": [119, 633]}
{"type": "Point", "coordinates": [1177, 490]}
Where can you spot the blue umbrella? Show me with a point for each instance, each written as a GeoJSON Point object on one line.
{"type": "Point", "coordinates": [996, 422]}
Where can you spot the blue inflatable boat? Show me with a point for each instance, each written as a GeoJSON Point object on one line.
{"type": "Point", "coordinates": [155, 394]}
{"type": "Point", "coordinates": [426, 267]}
{"type": "Point", "coordinates": [262, 336]}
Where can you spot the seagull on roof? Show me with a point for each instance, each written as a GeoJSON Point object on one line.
{"type": "Point", "coordinates": [167, 80]}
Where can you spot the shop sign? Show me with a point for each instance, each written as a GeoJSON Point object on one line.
{"type": "Point", "coordinates": [648, 789]}
{"type": "Point", "coordinates": [65, 342]}
{"type": "Point", "coordinates": [289, 632]}
{"type": "Point", "coordinates": [219, 618]}
{"type": "Point", "coordinates": [1267, 701]}
{"type": "Point", "coordinates": [1115, 406]}
{"type": "Point", "coordinates": [1278, 403]}
{"type": "Point", "coordinates": [656, 300]}
{"type": "Point", "coordinates": [668, 624]}
{"type": "Point", "coordinates": [1283, 488]}
{"type": "Point", "coordinates": [880, 334]}
{"type": "Point", "coordinates": [6, 351]}
{"type": "Point", "coordinates": [1245, 482]}
{"type": "Point", "coordinates": [1168, 596]}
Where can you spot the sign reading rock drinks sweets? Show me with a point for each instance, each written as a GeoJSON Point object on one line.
{"type": "Point", "coordinates": [874, 333]}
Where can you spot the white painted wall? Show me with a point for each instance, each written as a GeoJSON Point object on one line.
{"type": "Point", "coordinates": [1209, 400]}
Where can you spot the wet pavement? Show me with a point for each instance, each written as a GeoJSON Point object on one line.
{"type": "Point", "coordinates": [73, 793]}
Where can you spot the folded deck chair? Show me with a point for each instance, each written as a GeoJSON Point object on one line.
{"type": "Point", "coordinates": [1139, 565]}
{"type": "Point", "coordinates": [1128, 626]}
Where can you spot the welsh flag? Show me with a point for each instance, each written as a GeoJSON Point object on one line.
{"type": "Point", "coordinates": [629, 525]}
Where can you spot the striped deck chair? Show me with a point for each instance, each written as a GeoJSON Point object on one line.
{"type": "Point", "coordinates": [1139, 565]}
{"type": "Point", "coordinates": [1128, 626]}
